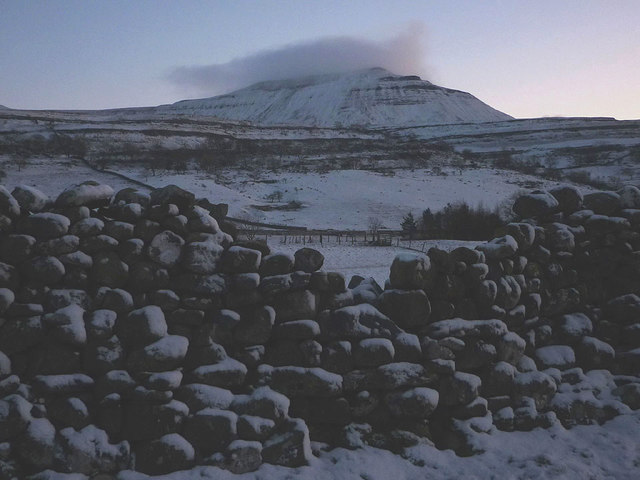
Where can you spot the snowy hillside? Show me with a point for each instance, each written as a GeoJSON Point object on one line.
{"type": "Point", "coordinates": [373, 97]}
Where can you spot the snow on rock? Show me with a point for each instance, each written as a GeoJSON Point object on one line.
{"type": "Point", "coordinates": [198, 396]}
{"type": "Point", "coordinates": [262, 402]}
{"type": "Point", "coordinates": [357, 321]}
{"type": "Point", "coordinates": [306, 382]}
{"type": "Point", "coordinates": [457, 327]}
{"type": "Point", "coordinates": [226, 373]}
{"type": "Point", "coordinates": [67, 325]}
{"type": "Point", "coordinates": [89, 451]}
{"type": "Point", "coordinates": [536, 203]}
{"type": "Point", "coordinates": [499, 248]}
{"type": "Point", "coordinates": [166, 248]}
{"type": "Point", "coordinates": [142, 326]}
{"type": "Point", "coordinates": [419, 402]}
{"type": "Point", "coordinates": [90, 194]}
{"type": "Point", "coordinates": [164, 354]}
{"type": "Point", "coordinates": [30, 199]}
{"type": "Point", "coordinates": [555, 356]}
{"type": "Point", "coordinates": [409, 271]}
{"type": "Point", "coordinates": [63, 384]}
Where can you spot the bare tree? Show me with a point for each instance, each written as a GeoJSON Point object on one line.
{"type": "Point", "coordinates": [375, 224]}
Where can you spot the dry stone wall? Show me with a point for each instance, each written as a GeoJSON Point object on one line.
{"type": "Point", "coordinates": [137, 334]}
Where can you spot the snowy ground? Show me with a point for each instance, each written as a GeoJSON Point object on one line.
{"type": "Point", "coordinates": [610, 451]}
{"type": "Point", "coordinates": [342, 199]}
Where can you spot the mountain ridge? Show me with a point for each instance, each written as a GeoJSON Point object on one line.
{"type": "Point", "coordinates": [372, 97]}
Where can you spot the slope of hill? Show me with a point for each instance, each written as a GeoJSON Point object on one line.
{"type": "Point", "coordinates": [372, 97]}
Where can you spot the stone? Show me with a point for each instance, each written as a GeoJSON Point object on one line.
{"type": "Point", "coordinates": [243, 456]}
{"type": "Point", "coordinates": [297, 330]}
{"type": "Point", "coordinates": [459, 328]}
{"type": "Point", "coordinates": [289, 446]}
{"type": "Point", "coordinates": [142, 326]}
{"type": "Point", "coordinates": [459, 389]}
{"type": "Point", "coordinates": [295, 305]}
{"type": "Point", "coordinates": [166, 248]}
{"type": "Point", "coordinates": [15, 416]}
{"type": "Point", "coordinates": [227, 373]}
{"type": "Point", "coordinates": [15, 249]}
{"type": "Point", "coordinates": [569, 198]}
{"type": "Point", "coordinates": [241, 260]}
{"type": "Point", "coordinates": [407, 348]}
{"type": "Point", "coordinates": [9, 206]}
{"type": "Point", "coordinates": [255, 326]}
{"type": "Point", "coordinates": [389, 377]}
{"type": "Point", "coordinates": [277, 264]}
{"type": "Point", "coordinates": [166, 353]}
{"type": "Point", "coordinates": [357, 322]}
{"type": "Point", "coordinates": [20, 334]}
{"type": "Point", "coordinates": [198, 396]}
{"type": "Point", "coordinates": [408, 309]}
{"type": "Point", "coordinates": [43, 270]}
{"type": "Point", "coordinates": [167, 454]}
{"type": "Point", "coordinates": [67, 325]}
{"type": "Point", "coordinates": [629, 394]}
{"type": "Point", "coordinates": [537, 203]}
{"type": "Point", "coordinates": [172, 194]}
{"type": "Point", "coordinates": [109, 270]}
{"type": "Point", "coordinates": [499, 248]}
{"type": "Point", "coordinates": [131, 195]}
{"type": "Point", "coordinates": [603, 203]}
{"type": "Point", "coordinates": [624, 309]}
{"type": "Point", "coordinates": [263, 402]}
{"type": "Point", "coordinates": [537, 385]}
{"type": "Point", "coordinates": [7, 297]}
{"type": "Point", "coordinates": [573, 326]}
{"type": "Point", "coordinates": [35, 447]}
{"type": "Point", "coordinates": [143, 421]}
{"type": "Point", "coordinates": [409, 271]}
{"type": "Point", "coordinates": [419, 402]}
{"type": "Point", "coordinates": [593, 353]}
{"type": "Point", "coordinates": [372, 352]}
{"type": "Point", "coordinates": [90, 194]}
{"type": "Point", "coordinates": [89, 451]}
{"type": "Point", "coordinates": [308, 260]}
{"type": "Point", "coordinates": [202, 257]}
{"type": "Point", "coordinates": [498, 380]}
{"type": "Point", "coordinates": [211, 430]}
{"type": "Point", "coordinates": [309, 382]}
{"type": "Point", "coordinates": [68, 412]}
{"type": "Point", "coordinates": [87, 227]}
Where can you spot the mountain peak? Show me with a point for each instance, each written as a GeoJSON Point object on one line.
{"type": "Point", "coordinates": [372, 97]}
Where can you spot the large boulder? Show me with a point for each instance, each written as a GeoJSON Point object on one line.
{"type": "Point", "coordinates": [172, 194]}
{"type": "Point", "coordinates": [409, 271]}
{"type": "Point", "coordinates": [537, 203]}
{"type": "Point", "coordinates": [90, 194]}
{"type": "Point", "coordinates": [30, 199]}
{"type": "Point", "coordinates": [308, 260]}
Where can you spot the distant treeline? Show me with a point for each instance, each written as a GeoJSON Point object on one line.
{"type": "Point", "coordinates": [458, 221]}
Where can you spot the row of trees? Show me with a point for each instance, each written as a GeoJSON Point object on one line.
{"type": "Point", "coordinates": [458, 221]}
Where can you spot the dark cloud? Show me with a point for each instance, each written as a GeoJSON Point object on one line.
{"type": "Point", "coordinates": [402, 54]}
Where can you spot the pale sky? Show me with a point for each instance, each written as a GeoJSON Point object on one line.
{"type": "Point", "coordinates": [526, 58]}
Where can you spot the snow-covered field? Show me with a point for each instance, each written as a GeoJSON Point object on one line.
{"type": "Point", "coordinates": [341, 199]}
{"type": "Point", "coordinates": [610, 451]}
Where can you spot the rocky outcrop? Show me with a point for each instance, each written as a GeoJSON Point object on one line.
{"type": "Point", "coordinates": [135, 334]}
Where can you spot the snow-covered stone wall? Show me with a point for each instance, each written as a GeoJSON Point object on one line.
{"type": "Point", "coordinates": [135, 334]}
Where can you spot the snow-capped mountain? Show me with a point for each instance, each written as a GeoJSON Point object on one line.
{"type": "Point", "coordinates": [372, 98]}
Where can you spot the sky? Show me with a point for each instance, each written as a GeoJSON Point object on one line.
{"type": "Point", "coordinates": [525, 58]}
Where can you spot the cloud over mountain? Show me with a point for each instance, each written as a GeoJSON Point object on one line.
{"type": "Point", "coordinates": [403, 54]}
